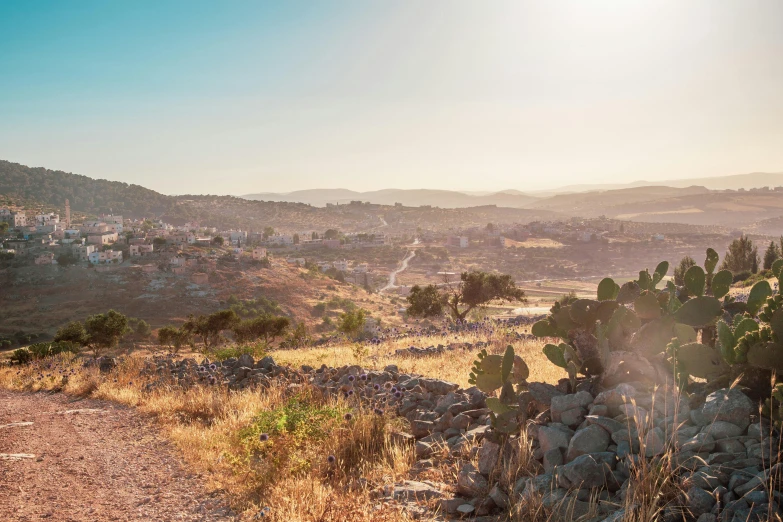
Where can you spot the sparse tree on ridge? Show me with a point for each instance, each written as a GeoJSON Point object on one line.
{"type": "Point", "coordinates": [679, 272]}
{"type": "Point", "coordinates": [741, 256]}
{"type": "Point", "coordinates": [771, 255]}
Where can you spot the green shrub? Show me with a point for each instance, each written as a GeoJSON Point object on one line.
{"type": "Point", "coordinates": [300, 418]}
{"type": "Point", "coordinates": [21, 356]}
{"type": "Point", "coordinates": [42, 350]}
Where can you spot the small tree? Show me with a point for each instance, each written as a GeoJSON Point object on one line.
{"type": "Point", "coordinates": [67, 259]}
{"type": "Point", "coordinates": [425, 301]}
{"type": "Point", "coordinates": [475, 289]}
{"type": "Point", "coordinates": [741, 256]}
{"type": "Point", "coordinates": [105, 330]}
{"type": "Point", "coordinates": [173, 337]}
{"type": "Point", "coordinates": [268, 327]}
{"type": "Point", "coordinates": [73, 332]}
{"type": "Point", "coordinates": [211, 326]}
{"type": "Point", "coordinates": [142, 329]}
{"type": "Point", "coordinates": [331, 234]}
{"type": "Point", "coordinates": [679, 272]}
{"type": "Point", "coordinates": [218, 240]}
{"type": "Point", "coordinates": [771, 255]}
{"type": "Point", "coordinates": [352, 322]}
{"type": "Point", "coordinates": [158, 242]}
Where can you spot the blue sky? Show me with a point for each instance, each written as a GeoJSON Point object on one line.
{"type": "Point", "coordinates": [238, 97]}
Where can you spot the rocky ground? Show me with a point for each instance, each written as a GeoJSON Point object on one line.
{"type": "Point", "coordinates": [77, 460]}
{"type": "Point", "coordinates": [722, 458]}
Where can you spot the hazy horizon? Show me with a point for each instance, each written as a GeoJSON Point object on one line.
{"type": "Point", "coordinates": [249, 97]}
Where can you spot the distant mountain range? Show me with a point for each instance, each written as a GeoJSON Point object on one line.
{"type": "Point", "coordinates": [508, 198]}
{"type": "Point", "coordinates": [408, 198]}
{"type": "Point", "coordinates": [700, 201]}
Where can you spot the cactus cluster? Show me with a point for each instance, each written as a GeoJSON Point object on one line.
{"type": "Point", "coordinates": [495, 372]}
{"type": "Point", "coordinates": [697, 329]}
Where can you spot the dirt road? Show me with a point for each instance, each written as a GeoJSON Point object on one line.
{"type": "Point", "coordinates": [69, 460]}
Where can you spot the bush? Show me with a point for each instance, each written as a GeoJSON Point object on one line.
{"type": "Point", "coordinates": [257, 350]}
{"type": "Point", "coordinates": [43, 350]}
{"type": "Point", "coordinates": [21, 356]}
{"type": "Point", "coordinates": [741, 276]}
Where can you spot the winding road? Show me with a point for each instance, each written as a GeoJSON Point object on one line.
{"type": "Point", "coordinates": [403, 266]}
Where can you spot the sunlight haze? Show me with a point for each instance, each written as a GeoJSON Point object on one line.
{"type": "Point", "coordinates": [247, 97]}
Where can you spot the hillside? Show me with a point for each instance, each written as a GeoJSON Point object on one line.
{"type": "Point", "coordinates": [41, 299]}
{"type": "Point", "coordinates": [732, 182]}
{"type": "Point", "coordinates": [93, 196]}
{"type": "Point", "coordinates": [694, 205]}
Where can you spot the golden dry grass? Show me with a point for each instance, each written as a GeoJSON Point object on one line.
{"type": "Point", "coordinates": [206, 423]}
{"type": "Point", "coordinates": [453, 366]}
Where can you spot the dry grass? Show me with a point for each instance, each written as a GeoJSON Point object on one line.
{"type": "Point", "coordinates": [453, 366]}
{"type": "Point", "coordinates": [218, 433]}
{"type": "Point", "coordinates": [289, 474]}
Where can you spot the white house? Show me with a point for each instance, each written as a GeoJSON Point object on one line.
{"type": "Point", "coordinates": [237, 235]}
{"type": "Point", "coordinates": [103, 258]}
{"type": "Point", "coordinates": [47, 219]}
{"type": "Point", "coordinates": [342, 266]}
{"type": "Point", "coordinates": [140, 250]}
{"type": "Point", "coordinates": [83, 251]}
{"type": "Point", "coordinates": [259, 253]}
{"type": "Point", "coordinates": [280, 239]}
{"type": "Point", "coordinates": [105, 238]}
{"type": "Point", "coordinates": [47, 258]}
{"type": "Point", "coordinates": [361, 268]}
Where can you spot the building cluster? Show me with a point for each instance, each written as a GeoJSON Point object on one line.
{"type": "Point", "coordinates": [156, 245]}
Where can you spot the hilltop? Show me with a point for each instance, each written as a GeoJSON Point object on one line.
{"type": "Point", "coordinates": [412, 198]}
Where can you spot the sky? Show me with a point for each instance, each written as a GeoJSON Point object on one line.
{"type": "Point", "coordinates": [238, 97]}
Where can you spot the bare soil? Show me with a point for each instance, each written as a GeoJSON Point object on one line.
{"type": "Point", "coordinates": [89, 460]}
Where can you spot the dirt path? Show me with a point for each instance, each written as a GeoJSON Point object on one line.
{"type": "Point", "coordinates": [88, 460]}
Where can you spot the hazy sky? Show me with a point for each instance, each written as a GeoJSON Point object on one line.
{"type": "Point", "coordinates": [237, 97]}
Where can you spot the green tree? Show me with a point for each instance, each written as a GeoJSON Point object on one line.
{"type": "Point", "coordinates": [67, 259]}
{"type": "Point", "coordinates": [173, 337]}
{"type": "Point", "coordinates": [425, 301]}
{"type": "Point", "coordinates": [352, 322]}
{"type": "Point", "coordinates": [158, 242]}
{"type": "Point", "coordinates": [679, 272]}
{"type": "Point", "coordinates": [331, 234]}
{"type": "Point", "coordinates": [3, 228]}
{"type": "Point", "coordinates": [296, 239]}
{"type": "Point", "coordinates": [210, 327]}
{"type": "Point", "coordinates": [268, 231]}
{"type": "Point", "coordinates": [771, 255]}
{"type": "Point", "coordinates": [142, 329]}
{"type": "Point", "coordinates": [741, 256]}
{"type": "Point", "coordinates": [218, 240]}
{"type": "Point", "coordinates": [73, 332]}
{"type": "Point", "coordinates": [105, 330]}
{"type": "Point", "coordinates": [268, 327]}
{"type": "Point", "coordinates": [477, 289]}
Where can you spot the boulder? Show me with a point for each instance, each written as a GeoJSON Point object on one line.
{"type": "Point", "coordinates": [729, 405]}
{"type": "Point", "coordinates": [592, 439]}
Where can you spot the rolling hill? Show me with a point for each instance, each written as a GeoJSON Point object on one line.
{"type": "Point", "coordinates": [410, 198]}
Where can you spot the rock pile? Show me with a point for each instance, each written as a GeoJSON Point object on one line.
{"type": "Point", "coordinates": [587, 445]}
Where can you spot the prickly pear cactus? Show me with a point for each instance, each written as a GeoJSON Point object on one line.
{"type": "Point", "coordinates": [493, 372]}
